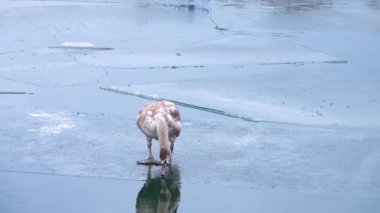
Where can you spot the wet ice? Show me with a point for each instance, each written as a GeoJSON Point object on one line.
{"type": "Point", "coordinates": [269, 63]}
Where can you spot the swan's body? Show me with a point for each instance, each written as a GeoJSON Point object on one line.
{"type": "Point", "coordinates": [160, 120]}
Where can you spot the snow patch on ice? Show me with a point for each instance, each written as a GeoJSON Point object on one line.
{"type": "Point", "coordinates": [136, 93]}
{"type": "Point", "coordinates": [77, 44]}
{"type": "Point", "coordinates": [51, 124]}
{"type": "Point", "coordinates": [154, 96]}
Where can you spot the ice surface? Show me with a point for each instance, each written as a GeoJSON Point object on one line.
{"type": "Point", "coordinates": [308, 70]}
{"type": "Point", "coordinates": [82, 195]}
{"type": "Point", "coordinates": [231, 50]}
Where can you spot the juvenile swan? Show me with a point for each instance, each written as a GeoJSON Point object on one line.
{"type": "Point", "coordinates": [160, 120]}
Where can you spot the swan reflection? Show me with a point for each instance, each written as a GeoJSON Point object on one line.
{"type": "Point", "coordinates": [160, 195]}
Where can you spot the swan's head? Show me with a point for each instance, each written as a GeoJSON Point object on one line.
{"type": "Point", "coordinates": [165, 155]}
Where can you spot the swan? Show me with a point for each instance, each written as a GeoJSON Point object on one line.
{"type": "Point", "coordinates": [160, 120]}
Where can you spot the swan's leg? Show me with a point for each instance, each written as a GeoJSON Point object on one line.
{"type": "Point", "coordinates": [149, 143]}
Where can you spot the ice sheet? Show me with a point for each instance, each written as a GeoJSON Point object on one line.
{"type": "Point", "coordinates": [264, 59]}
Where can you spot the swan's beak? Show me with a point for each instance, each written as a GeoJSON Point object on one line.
{"type": "Point", "coordinates": [164, 168]}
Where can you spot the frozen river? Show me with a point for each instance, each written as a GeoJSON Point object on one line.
{"type": "Point", "coordinates": [303, 75]}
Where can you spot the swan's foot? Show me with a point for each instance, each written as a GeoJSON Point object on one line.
{"type": "Point", "coordinates": [149, 162]}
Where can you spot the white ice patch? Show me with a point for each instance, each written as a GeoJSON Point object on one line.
{"type": "Point", "coordinates": [78, 44]}
{"type": "Point", "coordinates": [51, 124]}
{"type": "Point", "coordinates": [136, 93]}
{"type": "Point", "coordinates": [154, 96]}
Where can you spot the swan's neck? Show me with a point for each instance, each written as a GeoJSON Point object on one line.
{"type": "Point", "coordinates": [163, 137]}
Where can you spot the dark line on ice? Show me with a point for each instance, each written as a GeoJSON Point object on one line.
{"type": "Point", "coordinates": [10, 52]}
{"type": "Point", "coordinates": [152, 67]}
{"type": "Point", "coordinates": [16, 93]}
{"type": "Point", "coordinates": [66, 175]}
{"type": "Point", "coordinates": [306, 62]}
{"type": "Point", "coordinates": [217, 27]}
{"type": "Point", "coordinates": [116, 2]}
{"type": "Point", "coordinates": [201, 108]}
{"type": "Point", "coordinates": [81, 48]}
{"type": "Point", "coordinates": [206, 109]}
{"type": "Point", "coordinates": [57, 86]}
